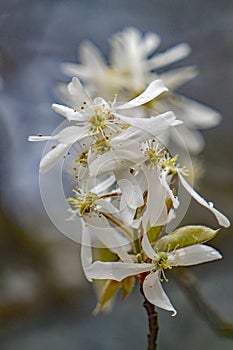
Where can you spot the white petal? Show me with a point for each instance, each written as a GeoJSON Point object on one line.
{"type": "Point", "coordinates": [39, 138]}
{"type": "Point", "coordinates": [147, 127]}
{"type": "Point", "coordinates": [86, 250]}
{"type": "Point", "coordinates": [195, 113]}
{"type": "Point", "coordinates": [108, 236]}
{"type": "Point", "coordinates": [116, 270]}
{"type": "Point", "coordinates": [176, 77]}
{"type": "Point", "coordinates": [154, 292]}
{"type": "Point", "coordinates": [146, 246]}
{"type": "Point", "coordinates": [222, 219]}
{"type": "Point", "coordinates": [52, 156]}
{"type": "Point", "coordinates": [153, 90]}
{"type": "Point", "coordinates": [193, 255]}
{"type": "Point", "coordinates": [150, 43]}
{"type": "Point", "coordinates": [68, 113]}
{"type": "Point", "coordinates": [163, 180]}
{"type": "Point", "coordinates": [172, 55]}
{"type": "Point", "coordinates": [156, 209]}
{"type": "Point", "coordinates": [71, 134]}
{"type": "Point", "coordinates": [73, 70]}
{"type": "Point", "coordinates": [78, 93]}
{"type": "Point", "coordinates": [91, 56]}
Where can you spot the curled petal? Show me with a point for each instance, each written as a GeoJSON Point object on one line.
{"type": "Point", "coordinates": [222, 219]}
{"type": "Point", "coordinates": [153, 90]}
{"type": "Point", "coordinates": [193, 255]}
{"type": "Point", "coordinates": [154, 292]}
{"type": "Point", "coordinates": [116, 270]}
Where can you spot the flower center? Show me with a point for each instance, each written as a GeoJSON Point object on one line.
{"type": "Point", "coordinates": [161, 262]}
{"type": "Point", "coordinates": [152, 157]}
{"type": "Point", "coordinates": [84, 203]}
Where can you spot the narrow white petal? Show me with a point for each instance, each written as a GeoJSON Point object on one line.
{"type": "Point", "coordinates": [86, 250]}
{"type": "Point", "coordinates": [71, 134]}
{"type": "Point", "coordinates": [116, 270]}
{"type": "Point", "coordinates": [222, 219]}
{"type": "Point", "coordinates": [78, 93]}
{"type": "Point", "coordinates": [146, 246]}
{"type": "Point", "coordinates": [176, 77]}
{"type": "Point", "coordinates": [195, 113]}
{"type": "Point", "coordinates": [147, 127]}
{"type": "Point", "coordinates": [163, 180]}
{"type": "Point", "coordinates": [91, 56]}
{"type": "Point", "coordinates": [52, 156]}
{"type": "Point", "coordinates": [68, 113]}
{"type": "Point", "coordinates": [153, 90]}
{"type": "Point", "coordinates": [108, 236]}
{"type": "Point", "coordinates": [193, 255]}
{"type": "Point", "coordinates": [39, 138]}
{"type": "Point", "coordinates": [150, 43]}
{"type": "Point", "coordinates": [73, 70]}
{"type": "Point", "coordinates": [154, 292]}
{"type": "Point", "coordinates": [172, 55]}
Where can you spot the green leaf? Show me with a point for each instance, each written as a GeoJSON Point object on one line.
{"type": "Point", "coordinates": [127, 285]}
{"type": "Point", "coordinates": [104, 254]}
{"type": "Point", "coordinates": [185, 236]}
{"type": "Point", "coordinates": [110, 289]}
{"type": "Point", "coordinates": [154, 232]}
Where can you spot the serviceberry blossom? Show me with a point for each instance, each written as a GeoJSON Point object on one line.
{"type": "Point", "coordinates": [160, 262]}
{"type": "Point", "coordinates": [99, 121]}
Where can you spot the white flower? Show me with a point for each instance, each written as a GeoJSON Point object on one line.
{"type": "Point", "coordinates": [101, 120]}
{"type": "Point", "coordinates": [133, 65]}
{"type": "Point", "coordinates": [152, 288]}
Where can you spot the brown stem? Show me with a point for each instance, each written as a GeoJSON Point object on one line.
{"type": "Point", "coordinates": [153, 323]}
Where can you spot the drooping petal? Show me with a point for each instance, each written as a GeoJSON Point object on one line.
{"type": "Point", "coordinates": [71, 134]}
{"type": "Point", "coordinates": [116, 270]}
{"type": "Point", "coordinates": [153, 90]}
{"type": "Point", "coordinates": [163, 180]}
{"type": "Point", "coordinates": [154, 292]}
{"type": "Point", "coordinates": [52, 156]}
{"type": "Point", "coordinates": [172, 55]}
{"type": "Point", "coordinates": [222, 219]}
{"type": "Point", "coordinates": [156, 209]}
{"type": "Point", "coordinates": [193, 255]}
{"type": "Point", "coordinates": [86, 250]}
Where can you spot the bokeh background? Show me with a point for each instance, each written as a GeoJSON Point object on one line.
{"type": "Point", "coordinates": [45, 302]}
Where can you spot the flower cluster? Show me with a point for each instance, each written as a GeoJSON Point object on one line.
{"type": "Point", "coordinates": [128, 181]}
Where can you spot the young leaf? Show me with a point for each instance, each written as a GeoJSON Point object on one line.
{"type": "Point", "coordinates": [127, 285]}
{"type": "Point", "coordinates": [185, 236]}
{"type": "Point", "coordinates": [110, 289]}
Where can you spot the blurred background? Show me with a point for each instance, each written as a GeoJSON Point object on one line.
{"type": "Point", "coordinates": [45, 302]}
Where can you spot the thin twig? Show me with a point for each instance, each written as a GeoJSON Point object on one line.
{"type": "Point", "coordinates": [153, 323]}
{"type": "Point", "coordinates": [188, 282]}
